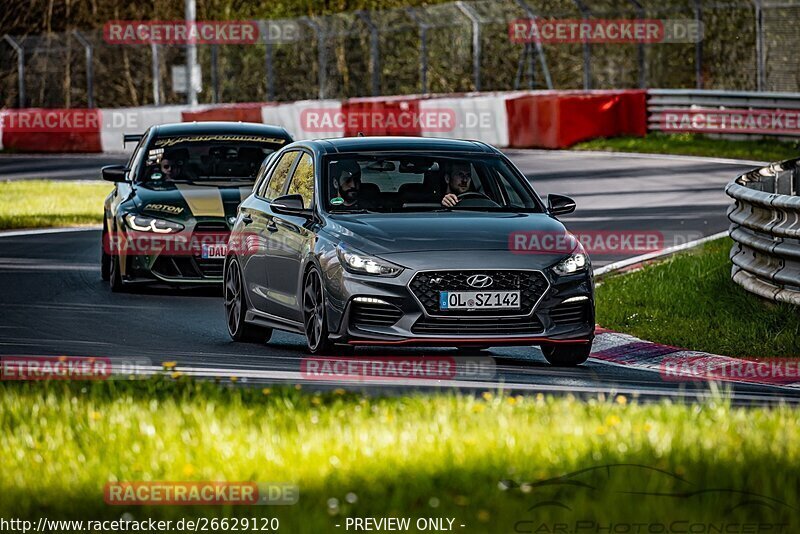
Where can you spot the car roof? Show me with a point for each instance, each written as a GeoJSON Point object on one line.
{"type": "Point", "coordinates": [221, 127]}
{"type": "Point", "coordinates": [401, 143]}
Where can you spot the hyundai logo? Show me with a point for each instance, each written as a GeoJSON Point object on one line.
{"type": "Point", "coordinates": [480, 281]}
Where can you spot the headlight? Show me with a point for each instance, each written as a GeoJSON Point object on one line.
{"type": "Point", "coordinates": [360, 263]}
{"type": "Point", "coordinates": [142, 223]}
{"type": "Point", "coordinates": [575, 263]}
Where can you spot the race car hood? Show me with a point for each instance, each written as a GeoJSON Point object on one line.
{"type": "Point", "coordinates": [183, 201]}
{"type": "Point", "coordinates": [397, 233]}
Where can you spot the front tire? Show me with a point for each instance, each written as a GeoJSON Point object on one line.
{"type": "Point", "coordinates": [236, 309]}
{"type": "Point", "coordinates": [114, 275]}
{"type": "Point", "coordinates": [315, 324]}
{"type": "Point", "coordinates": [567, 354]}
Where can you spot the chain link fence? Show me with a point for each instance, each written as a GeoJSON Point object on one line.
{"type": "Point", "coordinates": [444, 48]}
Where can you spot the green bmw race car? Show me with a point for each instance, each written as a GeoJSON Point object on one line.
{"type": "Point", "coordinates": [169, 215]}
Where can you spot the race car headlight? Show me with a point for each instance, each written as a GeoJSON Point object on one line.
{"type": "Point", "coordinates": [357, 262]}
{"type": "Point", "coordinates": [143, 223]}
{"type": "Point", "coordinates": [575, 263]}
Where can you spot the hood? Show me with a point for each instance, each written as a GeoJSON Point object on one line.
{"type": "Point", "coordinates": [182, 202]}
{"type": "Point", "coordinates": [395, 233]}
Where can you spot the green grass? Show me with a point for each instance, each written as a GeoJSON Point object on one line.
{"type": "Point", "coordinates": [690, 301]}
{"type": "Point", "coordinates": [696, 145]}
{"type": "Point", "coordinates": [448, 455]}
{"type": "Point", "coordinates": [48, 203]}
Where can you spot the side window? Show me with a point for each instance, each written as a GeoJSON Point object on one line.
{"type": "Point", "coordinates": [303, 181]}
{"type": "Point", "coordinates": [279, 176]}
{"type": "Point", "coordinates": [138, 154]}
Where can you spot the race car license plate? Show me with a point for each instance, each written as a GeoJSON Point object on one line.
{"type": "Point", "coordinates": [216, 251]}
{"type": "Point", "coordinates": [483, 300]}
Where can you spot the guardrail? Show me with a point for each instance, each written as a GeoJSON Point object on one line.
{"type": "Point", "coordinates": [724, 112]}
{"type": "Point", "coordinates": [765, 225]}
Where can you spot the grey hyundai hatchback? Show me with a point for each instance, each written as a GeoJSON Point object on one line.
{"type": "Point", "coordinates": [406, 241]}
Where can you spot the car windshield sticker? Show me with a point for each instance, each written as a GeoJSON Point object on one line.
{"type": "Point", "coordinates": [171, 141]}
{"type": "Point", "coordinates": [337, 201]}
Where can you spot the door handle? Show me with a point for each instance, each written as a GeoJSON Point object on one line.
{"type": "Point", "coordinates": [247, 219]}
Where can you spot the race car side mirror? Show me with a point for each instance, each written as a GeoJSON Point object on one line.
{"type": "Point", "coordinates": [559, 204]}
{"type": "Point", "coordinates": [290, 205]}
{"type": "Point", "coordinates": [115, 173]}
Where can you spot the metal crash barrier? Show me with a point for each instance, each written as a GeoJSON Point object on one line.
{"type": "Point", "coordinates": [765, 225]}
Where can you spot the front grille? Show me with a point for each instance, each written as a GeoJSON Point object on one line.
{"type": "Point", "coordinates": [210, 232]}
{"type": "Point", "coordinates": [510, 326]}
{"type": "Point", "coordinates": [188, 267]}
{"type": "Point", "coordinates": [374, 314]}
{"type": "Point", "coordinates": [570, 313]}
{"type": "Point", "coordinates": [427, 285]}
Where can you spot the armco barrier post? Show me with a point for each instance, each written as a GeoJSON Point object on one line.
{"type": "Point", "coordinates": [20, 68]}
{"type": "Point", "coordinates": [765, 226]}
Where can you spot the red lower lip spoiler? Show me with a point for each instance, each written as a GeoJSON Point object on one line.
{"type": "Point", "coordinates": [462, 341]}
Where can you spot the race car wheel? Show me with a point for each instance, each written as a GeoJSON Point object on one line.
{"type": "Point", "coordinates": [105, 259]}
{"type": "Point", "coordinates": [314, 318]}
{"type": "Point", "coordinates": [105, 266]}
{"type": "Point", "coordinates": [114, 275]}
{"type": "Point", "coordinates": [236, 309]}
{"type": "Point", "coordinates": [567, 354]}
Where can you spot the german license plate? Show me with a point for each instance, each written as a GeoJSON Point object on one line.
{"type": "Point", "coordinates": [479, 300]}
{"type": "Point", "coordinates": [215, 251]}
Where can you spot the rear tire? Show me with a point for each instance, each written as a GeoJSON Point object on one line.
{"type": "Point", "coordinates": [236, 309]}
{"type": "Point", "coordinates": [566, 354]}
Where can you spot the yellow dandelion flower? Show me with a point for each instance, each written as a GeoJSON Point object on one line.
{"type": "Point", "coordinates": [176, 374]}
{"type": "Point", "coordinates": [339, 391]}
{"type": "Point", "coordinates": [511, 400]}
{"type": "Point", "coordinates": [622, 399]}
{"type": "Point", "coordinates": [95, 416]}
{"type": "Point", "coordinates": [613, 420]}
{"type": "Point", "coordinates": [188, 470]}
{"type": "Point", "coordinates": [169, 365]}
{"type": "Point", "coordinates": [266, 391]}
{"type": "Point", "coordinates": [487, 395]}
{"type": "Point", "coordinates": [234, 378]}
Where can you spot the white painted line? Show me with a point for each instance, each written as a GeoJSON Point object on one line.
{"type": "Point", "coordinates": [657, 254]}
{"type": "Point", "coordinates": [37, 231]}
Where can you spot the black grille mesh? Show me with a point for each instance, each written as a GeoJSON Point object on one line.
{"type": "Point", "coordinates": [427, 285]}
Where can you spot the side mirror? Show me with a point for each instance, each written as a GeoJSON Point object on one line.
{"type": "Point", "coordinates": [290, 205]}
{"type": "Point", "coordinates": [559, 204]}
{"type": "Point", "coordinates": [115, 173]}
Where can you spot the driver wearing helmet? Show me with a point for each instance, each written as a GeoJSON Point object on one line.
{"type": "Point", "coordinates": [458, 177]}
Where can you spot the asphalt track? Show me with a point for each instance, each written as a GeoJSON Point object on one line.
{"type": "Point", "coordinates": [54, 303]}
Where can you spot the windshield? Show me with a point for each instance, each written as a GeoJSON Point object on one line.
{"type": "Point", "coordinates": [410, 182]}
{"type": "Point", "coordinates": [213, 158]}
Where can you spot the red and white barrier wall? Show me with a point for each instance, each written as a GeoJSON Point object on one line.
{"type": "Point", "coordinates": [524, 119]}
